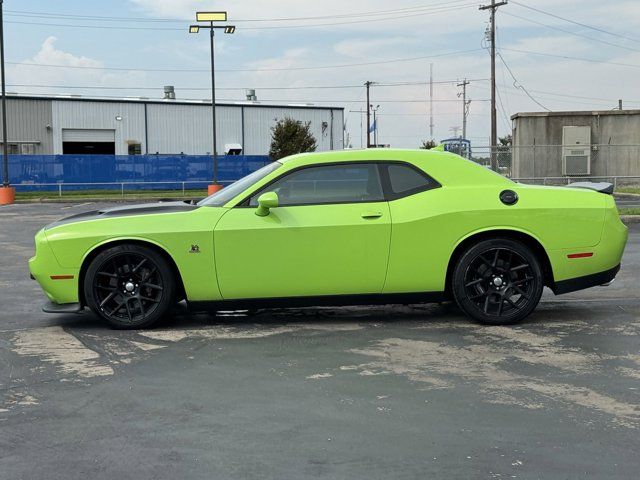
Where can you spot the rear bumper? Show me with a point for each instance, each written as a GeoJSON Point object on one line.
{"type": "Point", "coordinates": [51, 307]}
{"type": "Point", "coordinates": [587, 281]}
{"type": "Point", "coordinates": [59, 284]}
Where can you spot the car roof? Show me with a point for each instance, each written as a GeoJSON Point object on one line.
{"type": "Point", "coordinates": [446, 167]}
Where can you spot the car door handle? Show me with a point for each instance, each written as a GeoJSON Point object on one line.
{"type": "Point", "coordinates": [371, 214]}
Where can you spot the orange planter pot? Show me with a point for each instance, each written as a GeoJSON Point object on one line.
{"type": "Point", "coordinates": [211, 189]}
{"type": "Point", "coordinates": [7, 195]}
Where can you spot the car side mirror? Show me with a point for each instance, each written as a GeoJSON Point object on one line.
{"type": "Point", "coordinates": [266, 201]}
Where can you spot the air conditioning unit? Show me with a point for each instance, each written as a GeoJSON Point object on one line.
{"type": "Point", "coordinates": [576, 150]}
{"type": "Point", "coordinates": [232, 149]}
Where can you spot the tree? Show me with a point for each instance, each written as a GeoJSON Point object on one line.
{"type": "Point", "coordinates": [428, 144]}
{"type": "Point", "coordinates": [505, 141]}
{"type": "Point", "coordinates": [289, 136]}
{"type": "Point", "coordinates": [504, 154]}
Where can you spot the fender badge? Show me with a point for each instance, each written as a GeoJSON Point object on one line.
{"type": "Point", "coordinates": [194, 249]}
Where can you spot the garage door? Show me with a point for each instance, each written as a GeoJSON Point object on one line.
{"type": "Point", "coordinates": [86, 135]}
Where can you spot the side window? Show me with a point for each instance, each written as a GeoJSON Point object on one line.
{"type": "Point", "coordinates": [405, 180]}
{"type": "Point", "coordinates": [347, 183]}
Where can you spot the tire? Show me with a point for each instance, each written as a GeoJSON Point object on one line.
{"type": "Point", "coordinates": [498, 281]}
{"type": "Point", "coordinates": [130, 286]}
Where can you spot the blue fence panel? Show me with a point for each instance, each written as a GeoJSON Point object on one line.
{"type": "Point", "coordinates": [27, 170]}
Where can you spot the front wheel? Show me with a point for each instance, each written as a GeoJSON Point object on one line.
{"type": "Point", "coordinates": [129, 286]}
{"type": "Point", "coordinates": [498, 281]}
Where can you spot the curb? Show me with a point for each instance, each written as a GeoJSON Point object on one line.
{"type": "Point", "coordinates": [629, 219]}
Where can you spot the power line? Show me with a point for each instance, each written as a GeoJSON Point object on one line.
{"type": "Point", "coordinates": [286, 100]}
{"type": "Point", "coordinates": [505, 117]}
{"type": "Point", "coordinates": [563, 97]}
{"type": "Point", "coordinates": [35, 14]}
{"type": "Point", "coordinates": [504, 80]}
{"type": "Point", "coordinates": [451, 114]}
{"type": "Point", "coordinates": [399, 84]}
{"type": "Point", "coordinates": [591, 27]}
{"type": "Point", "coordinates": [309, 87]}
{"type": "Point", "coordinates": [569, 57]}
{"type": "Point", "coordinates": [518, 85]}
{"type": "Point", "coordinates": [276, 27]}
{"type": "Point", "coordinates": [608, 100]}
{"type": "Point", "coordinates": [319, 67]}
{"type": "Point", "coordinates": [588, 37]}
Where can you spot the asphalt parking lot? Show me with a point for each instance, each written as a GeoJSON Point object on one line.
{"type": "Point", "coordinates": [367, 392]}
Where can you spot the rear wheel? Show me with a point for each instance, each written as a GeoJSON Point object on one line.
{"type": "Point", "coordinates": [498, 281]}
{"type": "Point", "coordinates": [129, 286]}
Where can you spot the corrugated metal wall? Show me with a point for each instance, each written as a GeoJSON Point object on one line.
{"type": "Point", "coordinates": [167, 128]}
{"type": "Point", "coordinates": [259, 120]}
{"type": "Point", "coordinates": [187, 128]}
{"type": "Point", "coordinates": [28, 120]}
{"type": "Point", "coordinates": [68, 114]}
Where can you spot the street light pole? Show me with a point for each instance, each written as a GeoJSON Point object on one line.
{"type": "Point", "coordinates": [213, 109]}
{"type": "Point", "coordinates": [210, 18]}
{"type": "Point", "coordinates": [5, 157]}
{"type": "Point", "coordinates": [375, 130]}
{"type": "Point", "coordinates": [375, 125]}
{"type": "Point", "coordinates": [7, 193]}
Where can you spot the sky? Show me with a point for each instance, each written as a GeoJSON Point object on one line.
{"type": "Point", "coordinates": [569, 55]}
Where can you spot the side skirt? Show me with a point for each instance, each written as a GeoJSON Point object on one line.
{"type": "Point", "coordinates": [580, 283]}
{"type": "Point", "coordinates": [320, 301]}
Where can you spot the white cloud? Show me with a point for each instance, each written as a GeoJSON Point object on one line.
{"type": "Point", "coordinates": [369, 47]}
{"type": "Point", "coordinates": [50, 54]}
{"type": "Point", "coordinates": [415, 36]}
{"type": "Point", "coordinates": [89, 72]}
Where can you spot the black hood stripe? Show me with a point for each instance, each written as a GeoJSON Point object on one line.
{"type": "Point", "coordinates": [129, 210]}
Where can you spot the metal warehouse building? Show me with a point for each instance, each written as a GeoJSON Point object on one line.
{"type": "Point", "coordinates": [82, 125]}
{"type": "Point", "coordinates": [593, 143]}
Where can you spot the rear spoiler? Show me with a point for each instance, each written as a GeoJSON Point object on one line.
{"type": "Point", "coordinates": [602, 187]}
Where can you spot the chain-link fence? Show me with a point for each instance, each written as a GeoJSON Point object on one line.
{"type": "Point", "coordinates": [554, 164]}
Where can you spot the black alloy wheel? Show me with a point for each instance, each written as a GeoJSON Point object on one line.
{"type": "Point", "coordinates": [498, 281]}
{"type": "Point", "coordinates": [130, 286]}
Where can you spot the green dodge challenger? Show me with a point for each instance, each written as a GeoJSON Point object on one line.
{"type": "Point", "coordinates": [338, 228]}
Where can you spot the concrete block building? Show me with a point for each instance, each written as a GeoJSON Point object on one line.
{"type": "Point", "coordinates": [601, 143]}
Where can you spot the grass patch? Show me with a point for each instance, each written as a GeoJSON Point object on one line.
{"type": "Point", "coordinates": [73, 195]}
{"type": "Point", "coordinates": [629, 211]}
{"type": "Point", "coordinates": [635, 190]}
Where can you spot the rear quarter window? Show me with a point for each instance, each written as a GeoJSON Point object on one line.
{"type": "Point", "coordinates": [405, 180]}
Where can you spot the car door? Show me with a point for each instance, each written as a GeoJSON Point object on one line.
{"type": "Point", "coordinates": [329, 235]}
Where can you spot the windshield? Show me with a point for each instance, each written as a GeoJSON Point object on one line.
{"type": "Point", "coordinates": [221, 197]}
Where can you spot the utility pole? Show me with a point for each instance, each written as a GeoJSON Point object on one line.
{"type": "Point", "coordinates": [494, 117]}
{"type": "Point", "coordinates": [465, 106]}
{"type": "Point", "coordinates": [431, 101]}
{"type": "Point", "coordinates": [368, 85]}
